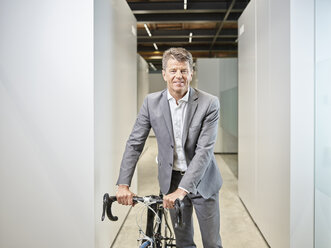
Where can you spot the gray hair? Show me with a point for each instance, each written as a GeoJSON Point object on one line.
{"type": "Point", "coordinates": [178, 53]}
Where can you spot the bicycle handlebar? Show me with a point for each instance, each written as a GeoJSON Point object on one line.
{"type": "Point", "coordinates": [108, 201]}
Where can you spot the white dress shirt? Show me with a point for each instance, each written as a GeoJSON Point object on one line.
{"type": "Point", "coordinates": [178, 116]}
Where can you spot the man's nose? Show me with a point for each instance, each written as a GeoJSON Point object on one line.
{"type": "Point", "coordinates": [179, 74]}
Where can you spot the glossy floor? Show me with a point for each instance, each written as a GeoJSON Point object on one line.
{"type": "Point", "coordinates": [237, 228]}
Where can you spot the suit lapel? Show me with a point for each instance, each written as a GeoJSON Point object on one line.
{"type": "Point", "coordinates": [166, 113]}
{"type": "Point", "coordinates": [191, 107]}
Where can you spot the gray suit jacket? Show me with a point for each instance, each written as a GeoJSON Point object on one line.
{"type": "Point", "coordinates": [199, 136]}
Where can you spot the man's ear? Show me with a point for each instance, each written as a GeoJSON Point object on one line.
{"type": "Point", "coordinates": [163, 74]}
{"type": "Point", "coordinates": [192, 71]}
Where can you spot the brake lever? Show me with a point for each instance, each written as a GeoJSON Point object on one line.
{"type": "Point", "coordinates": [179, 207]}
{"type": "Point", "coordinates": [107, 203]}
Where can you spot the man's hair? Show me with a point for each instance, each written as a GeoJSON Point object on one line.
{"type": "Point", "coordinates": [178, 53]}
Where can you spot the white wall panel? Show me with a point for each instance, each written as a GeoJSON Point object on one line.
{"type": "Point", "coordinates": [51, 191]}
{"type": "Point", "coordinates": [219, 77]}
{"type": "Point", "coordinates": [156, 82]}
{"type": "Point", "coordinates": [142, 80]}
{"type": "Point", "coordinates": [247, 109]}
{"type": "Point", "coordinates": [46, 127]}
{"type": "Point", "coordinates": [115, 104]}
{"type": "Point", "coordinates": [273, 183]}
{"type": "Point", "coordinates": [264, 164]}
{"type": "Point", "coordinates": [208, 80]}
{"type": "Point", "coordinates": [274, 121]}
{"type": "Point", "coordinates": [323, 123]}
{"type": "Point", "coordinates": [302, 124]}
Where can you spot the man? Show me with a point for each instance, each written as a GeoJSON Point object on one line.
{"type": "Point", "coordinates": [184, 121]}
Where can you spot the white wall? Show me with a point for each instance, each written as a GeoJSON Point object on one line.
{"type": "Point", "coordinates": [323, 123]}
{"type": "Point", "coordinates": [247, 109]}
{"type": "Point", "coordinates": [273, 120]}
{"type": "Point", "coordinates": [219, 76]}
{"type": "Point", "coordinates": [115, 104]}
{"type": "Point", "coordinates": [302, 124]}
{"type": "Point", "coordinates": [156, 82]}
{"type": "Point", "coordinates": [142, 80]}
{"type": "Point", "coordinates": [46, 127]}
{"type": "Point", "coordinates": [62, 126]}
{"type": "Point", "coordinates": [276, 119]}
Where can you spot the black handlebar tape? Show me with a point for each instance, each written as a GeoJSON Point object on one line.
{"type": "Point", "coordinates": [179, 208]}
{"type": "Point", "coordinates": [107, 202]}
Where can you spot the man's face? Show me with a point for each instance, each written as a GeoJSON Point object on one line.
{"type": "Point", "coordinates": [178, 76]}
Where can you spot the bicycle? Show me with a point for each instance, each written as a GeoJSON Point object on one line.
{"type": "Point", "coordinates": [153, 236]}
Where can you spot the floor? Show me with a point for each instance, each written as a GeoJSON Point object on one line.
{"type": "Point", "coordinates": [237, 228]}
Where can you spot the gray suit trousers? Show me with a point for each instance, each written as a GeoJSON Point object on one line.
{"type": "Point", "coordinates": [208, 214]}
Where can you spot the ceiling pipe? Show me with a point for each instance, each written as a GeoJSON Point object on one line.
{"type": "Point", "coordinates": [221, 25]}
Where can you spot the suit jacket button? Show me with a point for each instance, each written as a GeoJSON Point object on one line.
{"type": "Point", "coordinates": [170, 164]}
{"type": "Point", "coordinates": [172, 146]}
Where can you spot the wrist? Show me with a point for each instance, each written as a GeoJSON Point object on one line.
{"type": "Point", "coordinates": [123, 186]}
{"type": "Point", "coordinates": [182, 192]}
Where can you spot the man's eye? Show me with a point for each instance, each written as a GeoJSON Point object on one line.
{"type": "Point", "coordinates": [184, 71]}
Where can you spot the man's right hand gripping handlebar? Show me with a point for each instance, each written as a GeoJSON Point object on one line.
{"type": "Point", "coordinates": [124, 196]}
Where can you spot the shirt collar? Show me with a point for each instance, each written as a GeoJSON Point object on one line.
{"type": "Point", "coordinates": [184, 98]}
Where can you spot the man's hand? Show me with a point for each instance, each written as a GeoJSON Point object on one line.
{"type": "Point", "coordinates": [124, 195]}
{"type": "Point", "coordinates": [169, 200]}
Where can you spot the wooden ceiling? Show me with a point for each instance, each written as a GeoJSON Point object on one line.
{"type": "Point", "coordinates": [213, 24]}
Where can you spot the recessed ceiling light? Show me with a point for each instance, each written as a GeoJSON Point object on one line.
{"type": "Point", "coordinates": [147, 30]}
{"type": "Point", "coordinates": [152, 66]}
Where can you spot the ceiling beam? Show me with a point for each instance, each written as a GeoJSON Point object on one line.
{"type": "Point", "coordinates": [150, 7]}
{"type": "Point", "coordinates": [196, 54]}
{"type": "Point", "coordinates": [155, 59]}
{"type": "Point", "coordinates": [183, 11]}
{"type": "Point", "coordinates": [185, 40]}
{"type": "Point", "coordinates": [189, 17]}
{"type": "Point", "coordinates": [190, 47]}
{"type": "Point", "coordinates": [163, 33]}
